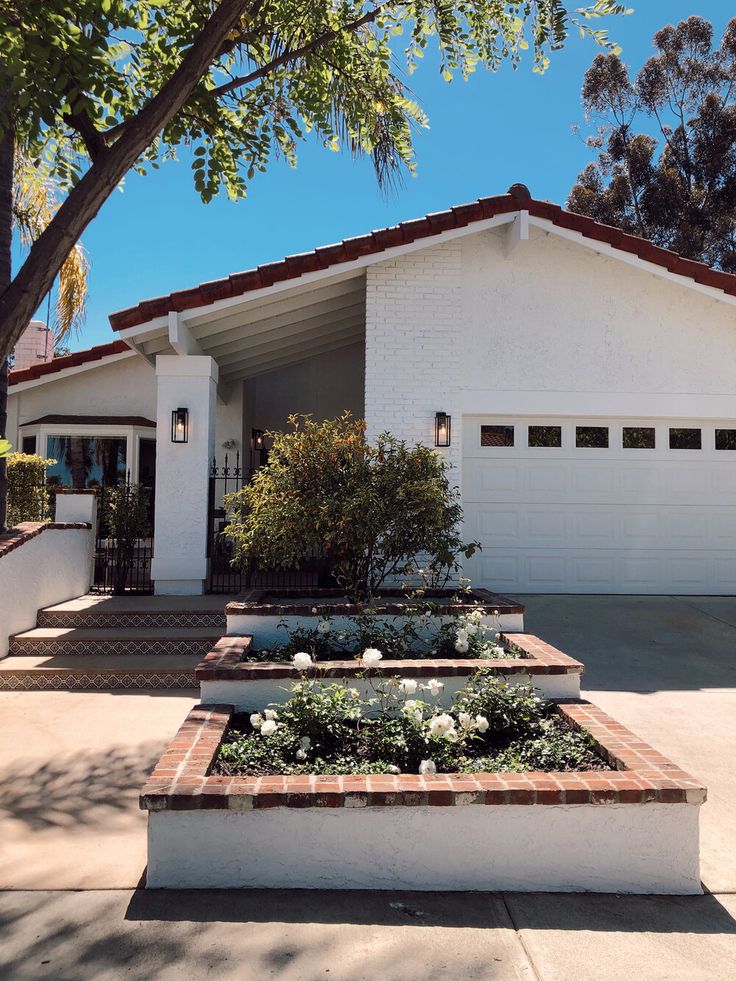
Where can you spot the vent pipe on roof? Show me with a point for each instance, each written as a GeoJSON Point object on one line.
{"type": "Point", "coordinates": [520, 192]}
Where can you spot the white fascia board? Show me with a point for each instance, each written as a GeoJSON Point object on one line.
{"type": "Point", "coordinates": [630, 259]}
{"type": "Point", "coordinates": [342, 269]}
{"type": "Point", "coordinates": [68, 372]}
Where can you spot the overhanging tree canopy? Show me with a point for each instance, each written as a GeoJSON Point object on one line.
{"type": "Point", "coordinates": [93, 88]}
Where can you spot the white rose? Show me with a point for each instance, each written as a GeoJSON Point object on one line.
{"type": "Point", "coordinates": [393, 769]}
{"type": "Point", "coordinates": [301, 755]}
{"type": "Point", "coordinates": [270, 715]}
{"type": "Point", "coordinates": [461, 646]}
{"type": "Point", "coordinates": [412, 707]}
{"type": "Point", "coordinates": [461, 635]}
{"type": "Point", "coordinates": [269, 727]}
{"type": "Point", "coordinates": [371, 656]}
{"type": "Point", "coordinates": [481, 723]}
{"type": "Point", "coordinates": [305, 742]}
{"type": "Point", "coordinates": [434, 687]}
{"type": "Point", "coordinates": [465, 720]}
{"type": "Point", "coordinates": [441, 725]}
{"type": "Point", "coordinates": [256, 720]}
{"type": "Point", "coordinates": [408, 686]}
{"type": "Point", "coordinates": [323, 627]}
{"type": "Point", "coordinates": [471, 629]}
{"type": "Point", "coordinates": [302, 661]}
{"type": "Point", "coordinates": [353, 692]}
{"type": "Point", "coordinates": [427, 768]}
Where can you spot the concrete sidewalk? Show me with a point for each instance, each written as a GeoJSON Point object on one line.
{"type": "Point", "coordinates": [71, 765]}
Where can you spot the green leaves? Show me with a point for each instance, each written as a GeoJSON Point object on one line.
{"type": "Point", "coordinates": [331, 69]}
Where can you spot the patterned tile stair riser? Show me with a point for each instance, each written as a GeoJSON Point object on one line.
{"type": "Point", "coordinates": [128, 646]}
{"type": "Point", "coordinates": [154, 618]}
{"type": "Point", "coordinates": [66, 681]}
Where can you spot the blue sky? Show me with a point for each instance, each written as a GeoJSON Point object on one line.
{"type": "Point", "coordinates": [156, 236]}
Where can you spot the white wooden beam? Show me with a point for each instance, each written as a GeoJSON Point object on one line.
{"type": "Point", "coordinates": [180, 337]}
{"type": "Point", "coordinates": [517, 232]}
{"type": "Point", "coordinates": [139, 350]}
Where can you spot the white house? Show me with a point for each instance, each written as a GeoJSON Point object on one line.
{"type": "Point", "coordinates": [588, 376]}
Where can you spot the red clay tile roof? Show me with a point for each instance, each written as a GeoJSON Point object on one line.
{"type": "Point", "coordinates": [67, 361]}
{"type": "Point", "coordinates": [410, 231]}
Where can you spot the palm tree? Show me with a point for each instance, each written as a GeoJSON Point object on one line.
{"type": "Point", "coordinates": [34, 199]}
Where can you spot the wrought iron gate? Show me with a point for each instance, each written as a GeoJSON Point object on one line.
{"type": "Point", "coordinates": [122, 566]}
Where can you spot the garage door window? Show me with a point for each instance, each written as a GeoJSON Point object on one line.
{"type": "Point", "coordinates": [685, 439]}
{"type": "Point", "coordinates": [591, 437]}
{"type": "Point", "coordinates": [496, 435]}
{"type": "Point", "coordinates": [545, 436]}
{"type": "Point", "coordinates": [726, 439]}
{"type": "Point", "coordinates": [639, 438]}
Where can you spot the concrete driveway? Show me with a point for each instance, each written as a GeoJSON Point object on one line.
{"type": "Point", "coordinates": [72, 842]}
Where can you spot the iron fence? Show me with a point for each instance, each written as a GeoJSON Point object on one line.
{"type": "Point", "coordinates": [124, 544]}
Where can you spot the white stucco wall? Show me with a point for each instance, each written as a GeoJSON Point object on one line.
{"type": "Point", "coordinates": [124, 387]}
{"type": "Point", "coordinates": [52, 567]}
{"type": "Point", "coordinates": [620, 848]}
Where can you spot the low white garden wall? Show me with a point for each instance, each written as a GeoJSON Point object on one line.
{"type": "Point", "coordinates": [45, 564]}
{"type": "Point", "coordinates": [618, 848]}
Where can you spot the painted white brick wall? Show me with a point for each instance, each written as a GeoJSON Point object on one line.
{"type": "Point", "coordinates": [413, 346]}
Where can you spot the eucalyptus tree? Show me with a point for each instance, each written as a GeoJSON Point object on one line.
{"type": "Point", "coordinates": [666, 143]}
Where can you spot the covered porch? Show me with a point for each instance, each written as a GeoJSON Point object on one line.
{"type": "Point", "coordinates": [226, 375]}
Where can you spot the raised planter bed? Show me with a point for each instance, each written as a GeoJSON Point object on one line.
{"type": "Point", "coordinates": [633, 829]}
{"type": "Point", "coordinates": [268, 617]}
{"type": "Point", "coordinates": [226, 676]}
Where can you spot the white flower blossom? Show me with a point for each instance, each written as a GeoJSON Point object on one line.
{"type": "Point", "coordinates": [301, 755]}
{"type": "Point", "coordinates": [462, 646]}
{"type": "Point", "coordinates": [256, 720]}
{"type": "Point", "coordinates": [371, 656]}
{"type": "Point", "coordinates": [408, 685]}
{"type": "Point", "coordinates": [434, 687]}
{"type": "Point", "coordinates": [271, 715]}
{"type": "Point", "coordinates": [481, 723]}
{"type": "Point", "coordinates": [476, 616]}
{"type": "Point", "coordinates": [323, 627]}
{"type": "Point", "coordinates": [471, 629]}
{"type": "Point", "coordinates": [353, 692]}
{"type": "Point", "coordinates": [393, 769]}
{"type": "Point", "coordinates": [465, 720]}
{"type": "Point", "coordinates": [269, 727]}
{"type": "Point", "coordinates": [302, 661]}
{"type": "Point", "coordinates": [441, 725]}
{"type": "Point", "coordinates": [461, 635]}
{"type": "Point", "coordinates": [427, 768]}
{"type": "Point", "coordinates": [412, 707]}
{"type": "Point", "coordinates": [305, 742]}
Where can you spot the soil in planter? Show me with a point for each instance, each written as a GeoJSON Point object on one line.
{"type": "Point", "coordinates": [329, 729]}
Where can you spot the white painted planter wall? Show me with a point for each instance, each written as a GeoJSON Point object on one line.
{"type": "Point", "coordinates": [618, 848]}
{"type": "Point", "coordinates": [273, 631]}
{"type": "Point", "coordinates": [253, 696]}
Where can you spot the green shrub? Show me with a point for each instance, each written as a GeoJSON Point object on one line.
{"type": "Point", "coordinates": [375, 512]}
{"type": "Point", "coordinates": [28, 495]}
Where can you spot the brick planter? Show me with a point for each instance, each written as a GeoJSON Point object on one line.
{"type": "Point", "coordinates": [268, 617]}
{"type": "Point", "coordinates": [224, 676]}
{"type": "Point", "coordinates": [633, 829]}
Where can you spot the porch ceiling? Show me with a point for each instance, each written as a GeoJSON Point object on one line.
{"type": "Point", "coordinates": [250, 338]}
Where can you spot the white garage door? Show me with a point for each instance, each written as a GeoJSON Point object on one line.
{"type": "Point", "coordinates": [601, 505]}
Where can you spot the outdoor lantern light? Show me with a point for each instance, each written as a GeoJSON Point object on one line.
{"type": "Point", "coordinates": [442, 429]}
{"type": "Point", "coordinates": [257, 438]}
{"type": "Point", "coordinates": [180, 426]}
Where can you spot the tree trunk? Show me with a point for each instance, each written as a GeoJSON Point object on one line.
{"type": "Point", "coordinates": [7, 142]}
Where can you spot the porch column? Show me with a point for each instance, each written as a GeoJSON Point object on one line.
{"type": "Point", "coordinates": [179, 566]}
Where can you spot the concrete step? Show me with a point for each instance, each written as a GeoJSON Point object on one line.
{"type": "Point", "coordinates": [97, 672]}
{"type": "Point", "coordinates": [136, 611]}
{"type": "Point", "coordinates": [109, 642]}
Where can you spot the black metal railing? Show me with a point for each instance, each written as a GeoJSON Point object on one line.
{"type": "Point", "coordinates": [226, 577]}
{"type": "Point", "coordinates": [123, 560]}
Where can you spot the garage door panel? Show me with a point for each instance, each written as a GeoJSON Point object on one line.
{"type": "Point", "coordinates": [574, 520]}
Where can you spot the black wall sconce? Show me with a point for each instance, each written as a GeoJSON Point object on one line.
{"type": "Point", "coordinates": [442, 429]}
{"type": "Point", "coordinates": [180, 426]}
{"type": "Point", "coordinates": [256, 436]}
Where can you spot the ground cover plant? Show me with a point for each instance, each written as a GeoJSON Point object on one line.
{"type": "Point", "coordinates": [401, 728]}
{"type": "Point", "coordinates": [417, 633]}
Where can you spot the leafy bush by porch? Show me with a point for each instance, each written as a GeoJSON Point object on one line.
{"type": "Point", "coordinates": [28, 496]}
{"type": "Point", "coordinates": [331, 729]}
{"type": "Point", "coordinates": [374, 511]}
